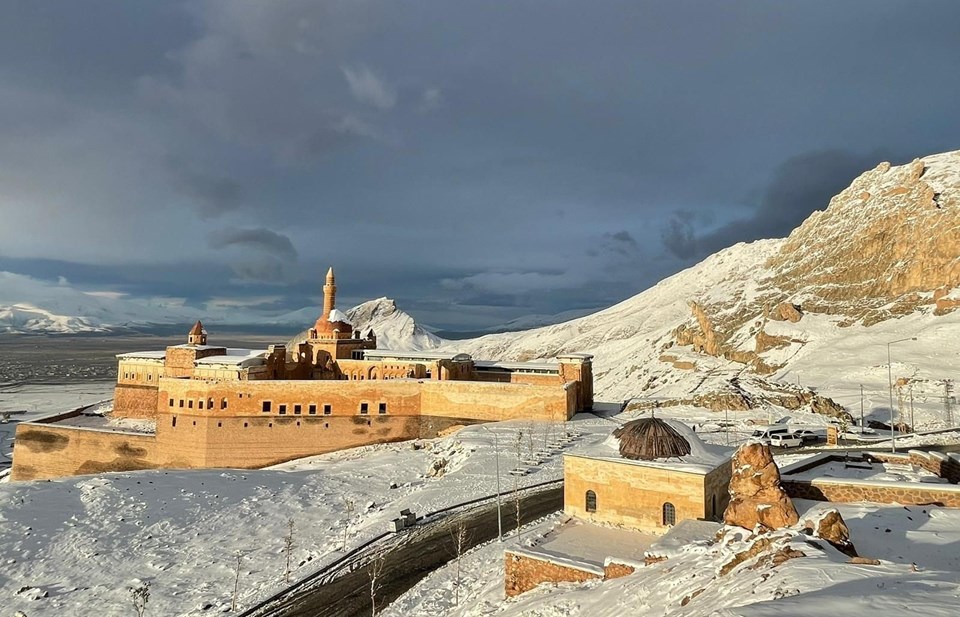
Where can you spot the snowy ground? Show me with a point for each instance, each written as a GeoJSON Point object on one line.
{"type": "Point", "coordinates": [82, 542]}
{"type": "Point", "coordinates": [919, 575]}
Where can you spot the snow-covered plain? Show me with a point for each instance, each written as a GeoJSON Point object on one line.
{"type": "Point", "coordinates": [82, 542]}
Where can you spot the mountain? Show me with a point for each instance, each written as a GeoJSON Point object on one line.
{"type": "Point", "coordinates": [394, 328]}
{"type": "Point", "coordinates": [528, 322]}
{"type": "Point", "coordinates": [743, 327]}
{"type": "Point", "coordinates": [26, 318]}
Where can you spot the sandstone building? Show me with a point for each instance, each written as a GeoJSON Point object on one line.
{"type": "Point", "coordinates": [219, 407]}
{"type": "Point", "coordinates": [649, 476]}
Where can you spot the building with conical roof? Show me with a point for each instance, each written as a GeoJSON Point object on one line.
{"type": "Point", "coordinates": [648, 475]}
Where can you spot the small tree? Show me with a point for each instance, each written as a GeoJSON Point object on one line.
{"type": "Point", "coordinates": [375, 572]}
{"type": "Point", "coordinates": [236, 583]}
{"type": "Point", "coordinates": [140, 596]}
{"type": "Point", "coordinates": [461, 539]}
{"type": "Point", "coordinates": [288, 549]}
{"type": "Point", "coordinates": [348, 506]}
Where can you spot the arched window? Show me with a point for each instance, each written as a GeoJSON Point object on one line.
{"type": "Point", "coordinates": [669, 514]}
{"type": "Point", "coordinates": [591, 501]}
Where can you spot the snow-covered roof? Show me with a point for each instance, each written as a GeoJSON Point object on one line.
{"type": "Point", "coordinates": [156, 354]}
{"type": "Point", "coordinates": [199, 347]}
{"type": "Point", "coordinates": [429, 356]}
{"type": "Point", "coordinates": [235, 358]}
{"type": "Point", "coordinates": [703, 457]}
{"type": "Point", "coordinates": [517, 366]}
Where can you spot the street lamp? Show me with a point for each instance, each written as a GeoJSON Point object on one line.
{"type": "Point", "coordinates": [496, 449]}
{"type": "Point", "coordinates": [893, 439]}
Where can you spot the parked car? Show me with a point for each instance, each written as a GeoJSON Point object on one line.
{"type": "Point", "coordinates": [806, 436]}
{"type": "Point", "coordinates": [785, 440]}
{"type": "Point", "coordinates": [856, 432]}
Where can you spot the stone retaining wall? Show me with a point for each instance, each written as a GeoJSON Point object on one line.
{"type": "Point", "coordinates": [523, 572]}
{"type": "Point", "coordinates": [839, 491]}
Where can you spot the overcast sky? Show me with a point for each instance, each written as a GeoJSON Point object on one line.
{"type": "Point", "coordinates": [477, 161]}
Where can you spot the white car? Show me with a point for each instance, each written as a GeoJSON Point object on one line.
{"type": "Point", "coordinates": [785, 440]}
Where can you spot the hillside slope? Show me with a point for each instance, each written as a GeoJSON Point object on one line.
{"type": "Point", "coordinates": [881, 263]}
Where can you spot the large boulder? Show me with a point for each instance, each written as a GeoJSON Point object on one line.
{"type": "Point", "coordinates": [832, 528]}
{"type": "Point", "coordinates": [756, 497]}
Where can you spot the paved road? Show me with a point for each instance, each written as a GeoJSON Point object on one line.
{"type": "Point", "coordinates": [408, 558]}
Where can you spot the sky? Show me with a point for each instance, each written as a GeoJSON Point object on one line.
{"type": "Point", "coordinates": [477, 161]}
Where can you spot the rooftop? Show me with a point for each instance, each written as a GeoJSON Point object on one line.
{"type": "Point", "coordinates": [702, 458]}
{"type": "Point", "coordinates": [588, 544]}
{"type": "Point", "coordinates": [235, 357]}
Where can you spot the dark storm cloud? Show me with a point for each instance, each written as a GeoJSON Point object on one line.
{"type": "Point", "coordinates": [800, 186]}
{"type": "Point", "coordinates": [570, 160]}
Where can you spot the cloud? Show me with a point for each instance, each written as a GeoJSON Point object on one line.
{"type": "Point", "coordinates": [367, 87]}
{"type": "Point", "coordinates": [620, 242]}
{"type": "Point", "coordinates": [431, 98]}
{"type": "Point", "coordinates": [799, 186]}
{"type": "Point", "coordinates": [261, 239]}
{"type": "Point", "coordinates": [212, 196]}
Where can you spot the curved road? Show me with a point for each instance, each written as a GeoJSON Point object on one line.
{"type": "Point", "coordinates": [406, 559]}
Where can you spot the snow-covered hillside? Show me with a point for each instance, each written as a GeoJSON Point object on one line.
{"type": "Point", "coordinates": [791, 310]}
{"type": "Point", "coordinates": [28, 318]}
{"type": "Point", "coordinates": [394, 328]}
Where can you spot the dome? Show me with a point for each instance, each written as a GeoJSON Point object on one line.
{"type": "Point", "coordinates": [648, 439]}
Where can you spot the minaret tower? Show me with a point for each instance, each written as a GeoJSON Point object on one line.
{"type": "Point", "coordinates": [329, 294]}
{"type": "Point", "coordinates": [197, 335]}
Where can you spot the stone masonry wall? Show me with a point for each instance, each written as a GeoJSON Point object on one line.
{"type": "Point", "coordinates": [522, 573]}
{"type": "Point", "coordinates": [135, 401]}
{"type": "Point", "coordinates": [850, 492]}
{"type": "Point", "coordinates": [43, 451]}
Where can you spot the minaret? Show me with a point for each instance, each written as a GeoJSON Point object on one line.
{"type": "Point", "coordinates": [329, 294]}
{"type": "Point", "coordinates": [197, 335]}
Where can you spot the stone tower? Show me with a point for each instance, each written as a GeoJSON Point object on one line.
{"type": "Point", "coordinates": [197, 335]}
{"type": "Point", "coordinates": [329, 294]}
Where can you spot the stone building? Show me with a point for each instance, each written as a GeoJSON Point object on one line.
{"type": "Point", "coordinates": [222, 407]}
{"type": "Point", "coordinates": [648, 475]}
{"type": "Point", "coordinates": [649, 478]}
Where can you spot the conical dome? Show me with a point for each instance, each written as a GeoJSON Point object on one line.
{"type": "Point", "coordinates": [649, 439]}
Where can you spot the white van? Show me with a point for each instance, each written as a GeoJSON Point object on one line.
{"type": "Point", "coordinates": [764, 433]}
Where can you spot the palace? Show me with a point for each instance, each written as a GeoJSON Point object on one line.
{"type": "Point", "coordinates": [221, 407]}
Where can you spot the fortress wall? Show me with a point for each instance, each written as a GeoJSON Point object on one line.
{"type": "Point", "coordinates": [537, 379]}
{"type": "Point", "coordinates": [251, 442]}
{"type": "Point", "coordinates": [487, 401]}
{"type": "Point", "coordinates": [246, 398]}
{"type": "Point", "coordinates": [46, 451]}
{"type": "Point", "coordinates": [135, 401]}
{"type": "Point", "coordinates": [139, 371]}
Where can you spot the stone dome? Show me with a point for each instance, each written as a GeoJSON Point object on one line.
{"type": "Point", "coordinates": [649, 439]}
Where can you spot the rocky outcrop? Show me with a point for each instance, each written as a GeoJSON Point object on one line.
{"type": "Point", "coordinates": [832, 528]}
{"type": "Point", "coordinates": [703, 340]}
{"type": "Point", "coordinates": [891, 234]}
{"type": "Point", "coordinates": [756, 497]}
{"type": "Point", "coordinates": [786, 311]}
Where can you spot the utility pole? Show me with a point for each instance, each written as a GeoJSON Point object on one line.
{"type": "Point", "coordinates": [893, 437]}
{"type": "Point", "coordinates": [913, 427]}
{"type": "Point", "coordinates": [861, 406]}
{"type": "Point", "coordinates": [948, 400]}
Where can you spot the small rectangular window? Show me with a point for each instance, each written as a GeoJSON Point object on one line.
{"type": "Point", "coordinates": [382, 408]}
{"type": "Point", "coordinates": [174, 421]}
{"type": "Point", "coordinates": [223, 404]}
{"type": "Point", "coordinates": [363, 408]}
{"type": "Point", "coordinates": [200, 404]}
{"type": "Point", "coordinates": [171, 402]}
{"type": "Point", "coordinates": [313, 410]}
{"type": "Point", "coordinates": [190, 404]}
{"type": "Point", "coordinates": [266, 406]}
{"type": "Point", "coordinates": [283, 409]}
{"type": "Point", "coordinates": [181, 402]}
{"type": "Point", "coordinates": [297, 409]}
{"type": "Point", "coordinates": [209, 403]}
{"type": "Point", "coordinates": [327, 410]}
